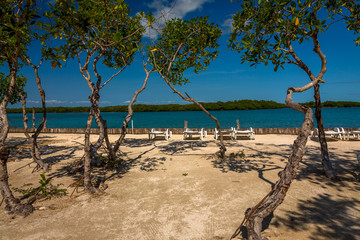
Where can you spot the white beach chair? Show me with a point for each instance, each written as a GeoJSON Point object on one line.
{"type": "Point", "coordinates": [189, 132]}
{"type": "Point", "coordinates": [153, 133]}
{"type": "Point", "coordinates": [336, 133]}
{"type": "Point", "coordinates": [224, 132]}
{"type": "Point", "coordinates": [355, 134]}
{"type": "Point", "coordinates": [249, 133]}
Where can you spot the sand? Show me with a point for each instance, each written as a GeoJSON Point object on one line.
{"type": "Point", "coordinates": [177, 189]}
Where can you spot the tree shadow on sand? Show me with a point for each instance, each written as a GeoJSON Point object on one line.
{"type": "Point", "coordinates": [133, 142]}
{"type": "Point", "coordinates": [148, 164]}
{"type": "Point", "coordinates": [251, 158]}
{"type": "Point", "coordinates": [261, 159]}
{"type": "Point", "coordinates": [107, 170]}
{"type": "Point", "coordinates": [333, 217]}
{"type": "Point", "coordinates": [21, 149]}
{"type": "Point", "coordinates": [182, 146]}
{"type": "Point", "coordinates": [344, 163]}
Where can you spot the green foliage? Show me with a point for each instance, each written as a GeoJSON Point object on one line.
{"type": "Point", "coordinates": [104, 27]}
{"type": "Point", "coordinates": [352, 18]}
{"type": "Point", "coordinates": [4, 87]}
{"type": "Point", "coordinates": [230, 105]}
{"type": "Point", "coordinates": [334, 104]}
{"type": "Point", "coordinates": [17, 19]}
{"type": "Point", "coordinates": [340, 104]}
{"type": "Point", "coordinates": [264, 30]}
{"type": "Point", "coordinates": [241, 154]}
{"type": "Point", "coordinates": [185, 44]}
{"type": "Point", "coordinates": [111, 163]}
{"type": "Point", "coordinates": [17, 24]}
{"type": "Point", "coordinates": [45, 190]}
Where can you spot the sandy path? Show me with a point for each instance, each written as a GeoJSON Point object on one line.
{"type": "Point", "coordinates": [177, 190]}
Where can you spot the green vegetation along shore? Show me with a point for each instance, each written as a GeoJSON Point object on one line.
{"type": "Point", "coordinates": [230, 105]}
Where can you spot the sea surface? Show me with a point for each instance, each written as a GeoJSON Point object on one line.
{"type": "Point", "coordinates": [264, 118]}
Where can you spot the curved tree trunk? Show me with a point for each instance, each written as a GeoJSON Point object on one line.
{"type": "Point", "coordinates": [222, 145]}
{"type": "Point", "coordinates": [190, 99]}
{"type": "Point", "coordinates": [90, 150]}
{"type": "Point", "coordinates": [89, 187]}
{"type": "Point", "coordinates": [101, 123]}
{"type": "Point", "coordinates": [35, 147]}
{"type": "Point", "coordinates": [119, 141]}
{"type": "Point", "coordinates": [94, 100]}
{"type": "Point", "coordinates": [13, 205]}
{"type": "Point", "coordinates": [325, 159]}
{"type": "Point", "coordinates": [35, 152]}
{"type": "Point", "coordinates": [327, 166]}
{"type": "Point", "coordinates": [254, 216]}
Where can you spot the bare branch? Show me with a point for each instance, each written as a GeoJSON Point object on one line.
{"type": "Point", "coordinates": [127, 119]}
{"type": "Point", "coordinates": [300, 63]}
{"type": "Point", "coordinates": [84, 69]}
{"type": "Point", "coordinates": [320, 54]}
{"type": "Point", "coordinates": [98, 76]}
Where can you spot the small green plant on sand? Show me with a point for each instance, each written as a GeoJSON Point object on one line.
{"type": "Point", "coordinates": [110, 163]}
{"type": "Point", "coordinates": [185, 174]}
{"type": "Point", "coordinates": [241, 154]}
{"type": "Point", "coordinates": [46, 190]}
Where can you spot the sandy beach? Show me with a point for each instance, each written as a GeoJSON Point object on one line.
{"type": "Point", "coordinates": [177, 189]}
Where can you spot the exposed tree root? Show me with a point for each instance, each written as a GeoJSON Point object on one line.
{"type": "Point", "coordinates": [76, 184]}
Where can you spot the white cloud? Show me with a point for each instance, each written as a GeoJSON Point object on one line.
{"type": "Point", "coordinates": [65, 103]}
{"type": "Point", "coordinates": [165, 10]}
{"type": "Point", "coordinates": [79, 102]}
{"type": "Point", "coordinates": [32, 101]}
{"type": "Point", "coordinates": [227, 26]}
{"type": "Point", "coordinates": [177, 8]}
{"type": "Point", "coordinates": [54, 101]}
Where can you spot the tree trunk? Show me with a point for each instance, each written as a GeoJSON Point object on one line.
{"type": "Point", "coordinates": [254, 216]}
{"type": "Point", "coordinates": [222, 145]}
{"type": "Point", "coordinates": [103, 135]}
{"type": "Point", "coordinates": [89, 187]}
{"type": "Point", "coordinates": [190, 99]}
{"type": "Point", "coordinates": [35, 148]}
{"type": "Point", "coordinates": [325, 159]}
{"type": "Point", "coordinates": [13, 205]}
{"type": "Point", "coordinates": [113, 151]}
{"type": "Point", "coordinates": [35, 153]}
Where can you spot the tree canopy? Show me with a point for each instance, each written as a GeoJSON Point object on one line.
{"type": "Point", "coordinates": [4, 86]}
{"type": "Point", "coordinates": [185, 44]}
{"type": "Point", "coordinates": [17, 19]}
{"type": "Point", "coordinates": [264, 31]}
{"type": "Point", "coordinates": [103, 27]}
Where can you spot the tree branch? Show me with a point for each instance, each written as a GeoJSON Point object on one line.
{"type": "Point", "coordinates": [300, 63]}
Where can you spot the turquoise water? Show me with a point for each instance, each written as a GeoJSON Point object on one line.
{"type": "Point", "coordinates": [265, 118]}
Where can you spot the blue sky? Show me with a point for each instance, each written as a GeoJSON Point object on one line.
{"type": "Point", "coordinates": [226, 79]}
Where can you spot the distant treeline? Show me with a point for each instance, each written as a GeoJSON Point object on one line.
{"type": "Point", "coordinates": [335, 104]}
{"type": "Point", "coordinates": [230, 105]}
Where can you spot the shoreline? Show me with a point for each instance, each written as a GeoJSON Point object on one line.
{"type": "Point", "coordinates": [258, 131]}
{"type": "Point", "coordinates": [210, 106]}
